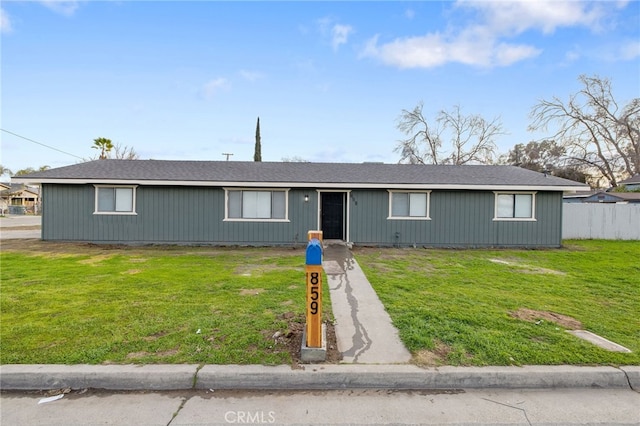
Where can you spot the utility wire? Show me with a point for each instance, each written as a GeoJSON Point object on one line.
{"type": "Point", "coordinates": [40, 143]}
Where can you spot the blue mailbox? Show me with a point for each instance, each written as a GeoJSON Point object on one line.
{"type": "Point", "coordinates": [314, 252]}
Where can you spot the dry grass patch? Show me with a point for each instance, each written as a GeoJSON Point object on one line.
{"type": "Point", "coordinates": [144, 354]}
{"type": "Point", "coordinates": [432, 358]}
{"type": "Point", "coordinates": [531, 315]}
{"type": "Point", "coordinates": [94, 260]}
{"type": "Point", "coordinates": [251, 291]}
{"type": "Point", "coordinates": [526, 269]}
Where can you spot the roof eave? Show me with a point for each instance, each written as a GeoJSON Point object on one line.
{"type": "Point", "coordinates": [319, 185]}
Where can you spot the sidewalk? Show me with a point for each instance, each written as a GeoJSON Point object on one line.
{"type": "Point", "coordinates": [364, 330]}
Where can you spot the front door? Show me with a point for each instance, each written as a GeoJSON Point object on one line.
{"type": "Point", "coordinates": [332, 215]}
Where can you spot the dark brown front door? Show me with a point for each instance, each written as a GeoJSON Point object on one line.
{"type": "Point", "coordinates": [332, 219]}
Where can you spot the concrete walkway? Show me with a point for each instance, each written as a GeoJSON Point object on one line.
{"type": "Point", "coordinates": [364, 330]}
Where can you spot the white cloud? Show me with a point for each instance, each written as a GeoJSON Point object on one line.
{"type": "Point", "coordinates": [515, 17]}
{"type": "Point", "coordinates": [251, 75]}
{"type": "Point", "coordinates": [488, 41]}
{"type": "Point", "coordinates": [340, 35]}
{"type": "Point", "coordinates": [5, 22]}
{"type": "Point", "coordinates": [506, 54]}
{"type": "Point", "coordinates": [433, 50]}
{"type": "Point", "coordinates": [63, 7]}
{"type": "Point", "coordinates": [213, 87]}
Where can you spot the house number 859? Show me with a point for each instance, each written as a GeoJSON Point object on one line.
{"type": "Point", "coordinates": [314, 280]}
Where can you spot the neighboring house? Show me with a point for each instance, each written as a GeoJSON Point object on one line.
{"type": "Point", "coordinates": [613, 197]}
{"type": "Point", "coordinates": [577, 196]}
{"type": "Point", "coordinates": [20, 198]}
{"type": "Point", "coordinates": [4, 199]}
{"type": "Point", "coordinates": [632, 183]}
{"type": "Point", "coordinates": [263, 203]}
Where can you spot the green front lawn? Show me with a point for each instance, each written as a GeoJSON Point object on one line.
{"type": "Point", "coordinates": [497, 307]}
{"type": "Point", "coordinates": [69, 303]}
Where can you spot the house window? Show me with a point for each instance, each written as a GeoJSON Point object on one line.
{"type": "Point", "coordinates": [115, 200]}
{"type": "Point", "coordinates": [409, 205]}
{"type": "Point", "coordinates": [256, 205]}
{"type": "Point", "coordinates": [515, 206]}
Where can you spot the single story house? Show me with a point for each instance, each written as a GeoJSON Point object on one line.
{"type": "Point", "coordinates": [613, 197]}
{"type": "Point", "coordinates": [18, 198]}
{"type": "Point", "coordinates": [4, 198]}
{"type": "Point", "coordinates": [271, 203]}
{"type": "Point", "coordinates": [577, 196]}
{"type": "Point", "coordinates": [632, 183]}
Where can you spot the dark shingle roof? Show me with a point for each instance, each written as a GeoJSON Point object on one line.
{"type": "Point", "coordinates": [620, 196]}
{"type": "Point", "coordinates": [343, 175]}
{"type": "Point", "coordinates": [14, 188]}
{"type": "Point", "coordinates": [633, 179]}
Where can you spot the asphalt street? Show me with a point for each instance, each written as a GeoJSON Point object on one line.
{"type": "Point", "coordinates": [20, 226]}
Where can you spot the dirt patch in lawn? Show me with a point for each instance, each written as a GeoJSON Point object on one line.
{"type": "Point", "coordinates": [292, 340]}
{"type": "Point", "coordinates": [257, 270]}
{"type": "Point", "coordinates": [93, 260]}
{"type": "Point", "coordinates": [251, 291]}
{"type": "Point", "coordinates": [531, 315]}
{"type": "Point", "coordinates": [142, 354]}
{"type": "Point", "coordinates": [432, 358]}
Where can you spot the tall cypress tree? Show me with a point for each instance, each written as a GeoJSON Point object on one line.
{"type": "Point", "coordinates": [257, 155]}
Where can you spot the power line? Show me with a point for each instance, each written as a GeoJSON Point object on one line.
{"type": "Point", "coordinates": [40, 143]}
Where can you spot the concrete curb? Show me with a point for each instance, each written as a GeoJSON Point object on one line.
{"type": "Point", "coordinates": [312, 377]}
{"type": "Point", "coordinates": [633, 375]}
{"type": "Point", "coordinates": [113, 377]}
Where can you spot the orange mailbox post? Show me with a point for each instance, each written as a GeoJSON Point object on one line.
{"type": "Point", "coordinates": [314, 293]}
{"type": "Point", "coordinates": [314, 341]}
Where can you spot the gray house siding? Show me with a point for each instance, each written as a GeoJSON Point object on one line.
{"type": "Point", "coordinates": [196, 215]}
{"type": "Point", "coordinates": [458, 219]}
{"type": "Point", "coordinates": [168, 215]}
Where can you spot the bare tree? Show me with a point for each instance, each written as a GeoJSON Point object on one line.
{"type": "Point", "coordinates": [110, 150]}
{"type": "Point", "coordinates": [123, 152]}
{"type": "Point", "coordinates": [471, 138]}
{"type": "Point", "coordinates": [597, 133]}
{"type": "Point", "coordinates": [294, 159]}
{"type": "Point", "coordinates": [543, 156]}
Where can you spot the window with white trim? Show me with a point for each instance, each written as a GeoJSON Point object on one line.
{"type": "Point", "coordinates": [115, 199]}
{"type": "Point", "coordinates": [515, 206]}
{"type": "Point", "coordinates": [409, 205]}
{"type": "Point", "coordinates": [256, 205]}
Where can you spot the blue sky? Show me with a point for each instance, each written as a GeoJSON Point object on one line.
{"type": "Point", "coordinates": [187, 80]}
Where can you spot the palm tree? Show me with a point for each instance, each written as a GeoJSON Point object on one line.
{"type": "Point", "coordinates": [104, 145]}
{"type": "Point", "coordinates": [5, 171]}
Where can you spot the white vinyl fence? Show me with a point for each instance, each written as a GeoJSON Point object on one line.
{"type": "Point", "coordinates": [601, 221]}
